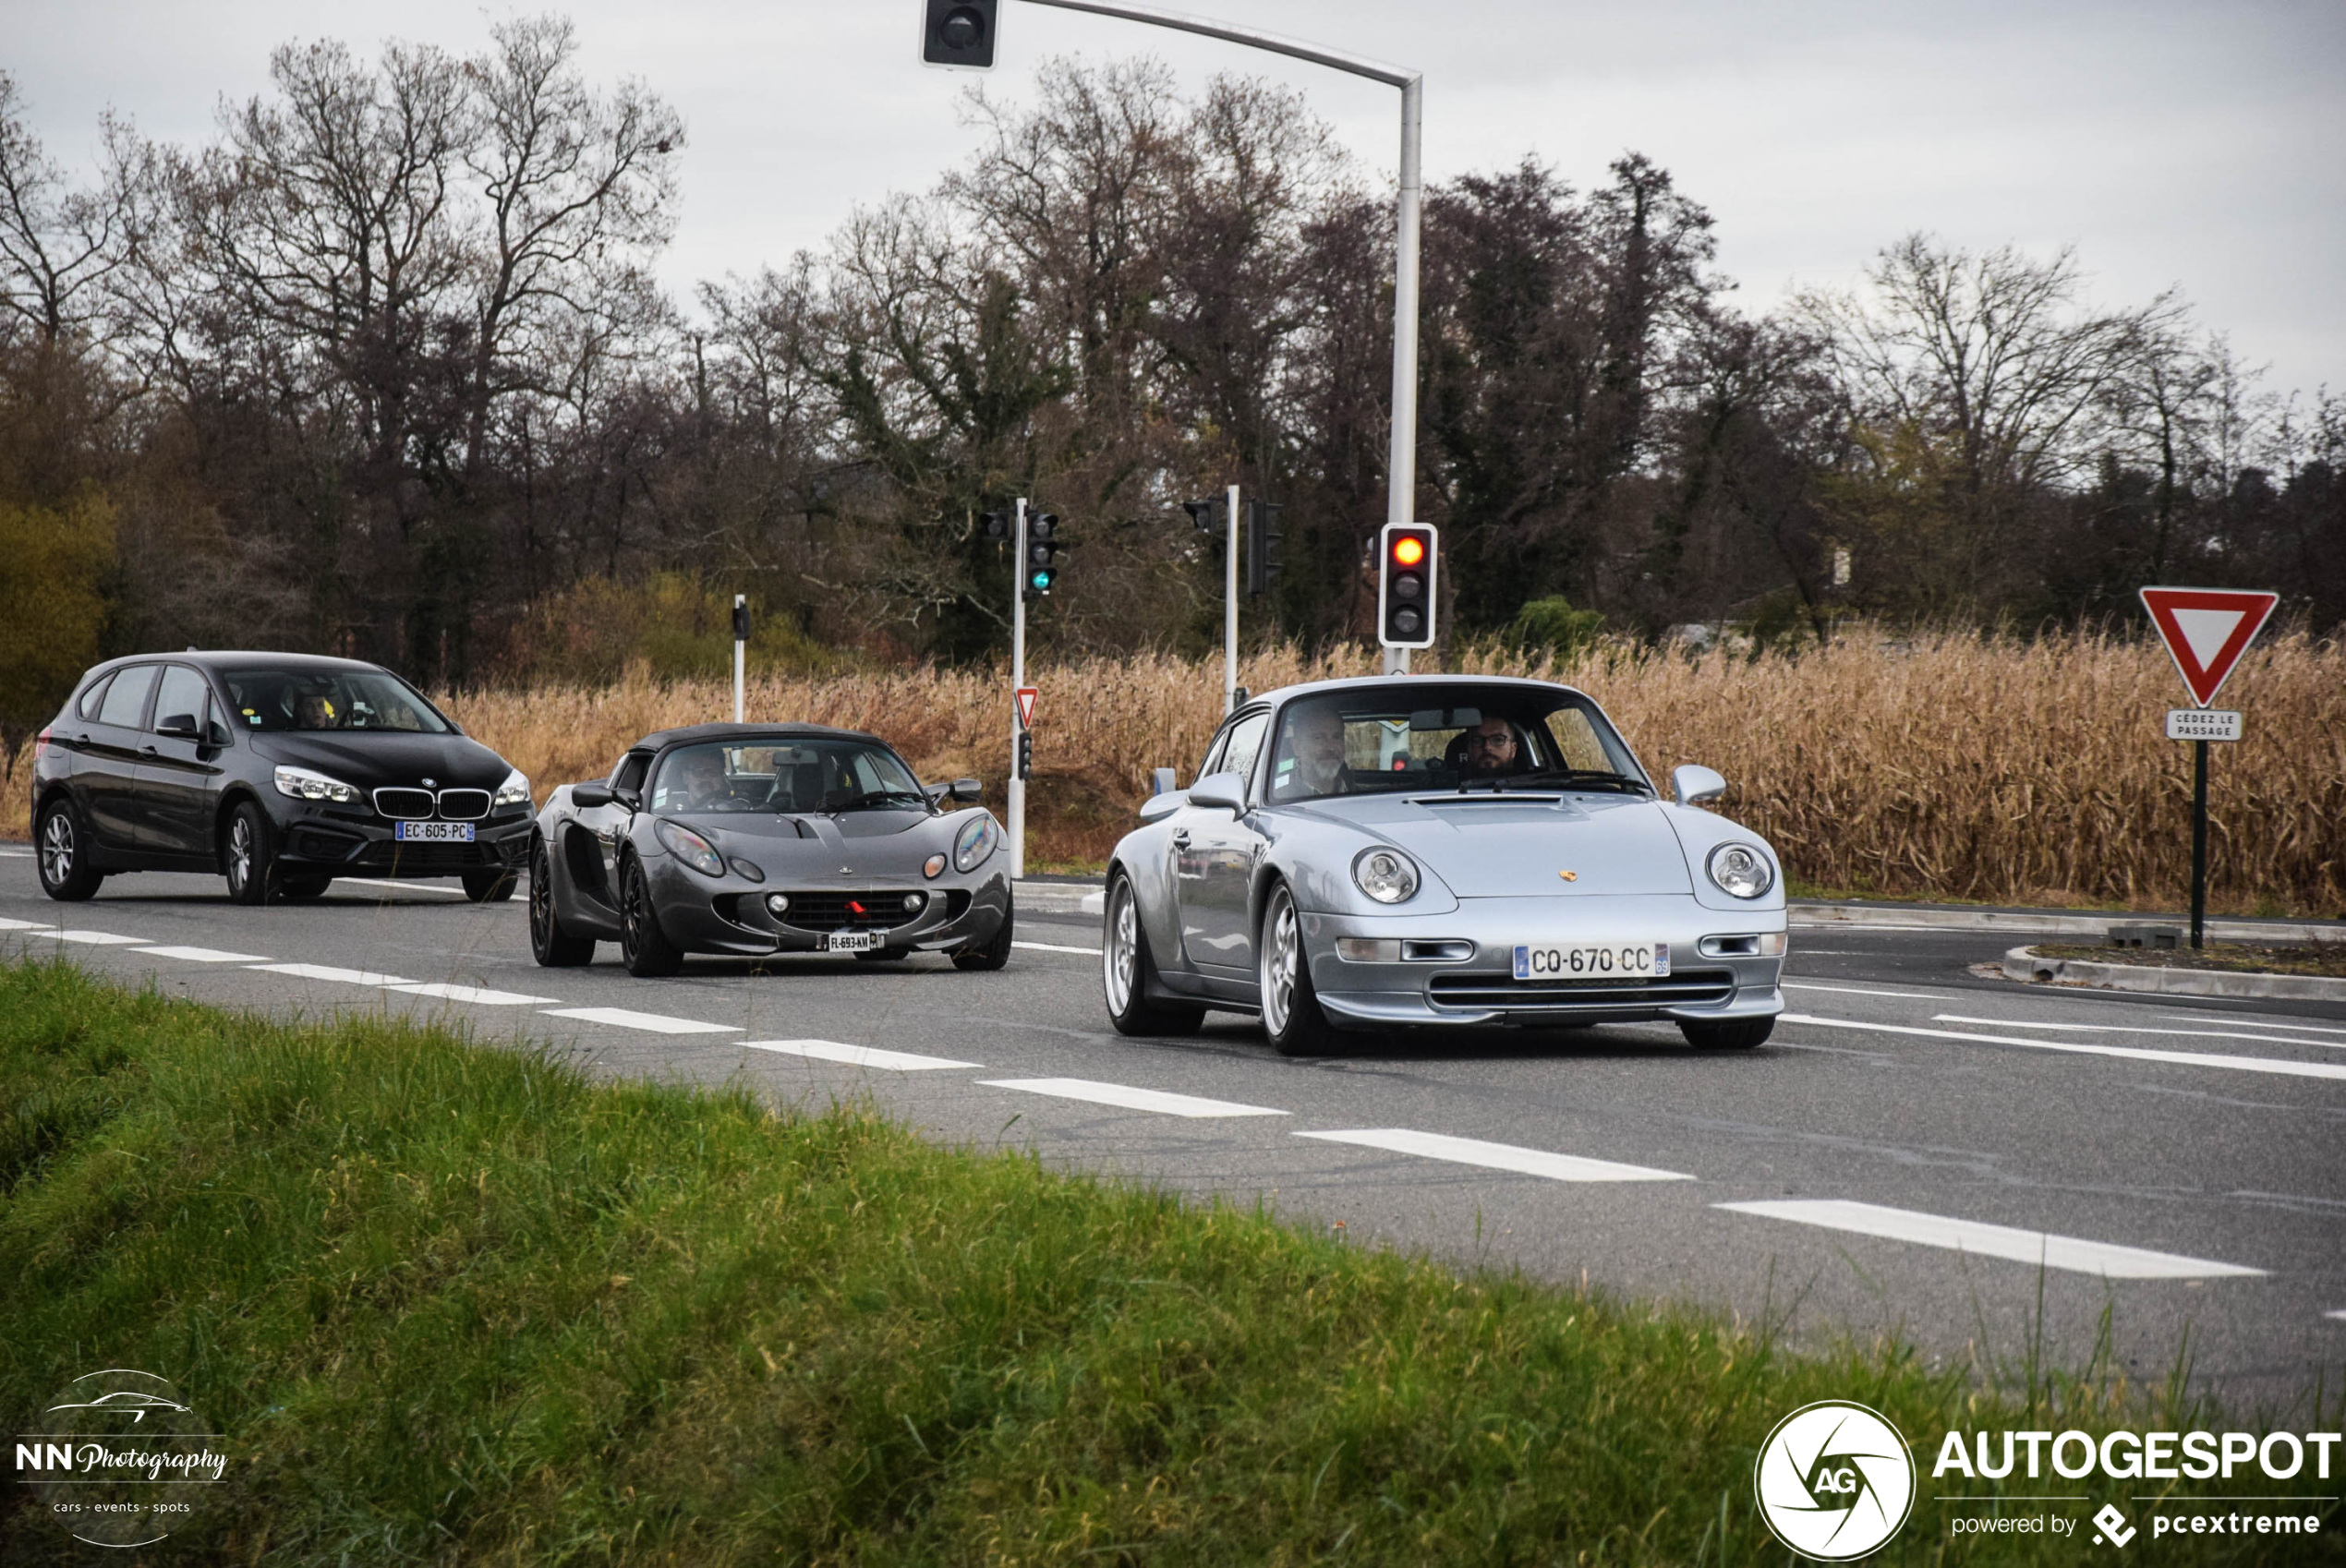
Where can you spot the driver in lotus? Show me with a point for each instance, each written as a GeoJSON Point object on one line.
{"type": "Point", "coordinates": [699, 781]}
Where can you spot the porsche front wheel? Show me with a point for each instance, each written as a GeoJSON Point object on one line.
{"type": "Point", "coordinates": [644, 948]}
{"type": "Point", "coordinates": [1291, 1013]}
{"type": "Point", "coordinates": [551, 945]}
{"type": "Point", "coordinates": [1129, 972]}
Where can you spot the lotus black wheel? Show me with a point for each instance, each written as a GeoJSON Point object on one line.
{"type": "Point", "coordinates": [1727, 1035]}
{"type": "Point", "coordinates": [1291, 1013]}
{"type": "Point", "coordinates": [992, 953]}
{"type": "Point", "coordinates": [67, 874]}
{"type": "Point", "coordinates": [303, 888]}
{"type": "Point", "coordinates": [249, 856]}
{"type": "Point", "coordinates": [1128, 974]}
{"type": "Point", "coordinates": [490, 887]}
{"type": "Point", "coordinates": [644, 948]}
{"type": "Point", "coordinates": [551, 945]}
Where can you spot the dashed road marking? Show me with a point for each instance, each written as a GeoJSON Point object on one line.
{"type": "Point", "coordinates": [1496, 1156]}
{"type": "Point", "coordinates": [2237, 1021]}
{"type": "Point", "coordinates": [204, 956]}
{"type": "Point", "coordinates": [355, 884]}
{"type": "Point", "coordinates": [1853, 991]}
{"type": "Point", "coordinates": [99, 938]}
{"type": "Point", "coordinates": [2030, 1246]}
{"type": "Point", "coordinates": [2129, 1053]}
{"type": "Point", "coordinates": [2137, 1029]}
{"type": "Point", "coordinates": [659, 1023]}
{"type": "Point", "coordinates": [1055, 947]}
{"type": "Point", "coordinates": [480, 997]}
{"type": "Point", "coordinates": [1131, 1099]}
{"type": "Point", "coordinates": [21, 925]}
{"type": "Point", "coordinates": [327, 971]}
{"type": "Point", "coordinates": [857, 1056]}
{"type": "Point", "coordinates": [2341, 1316]}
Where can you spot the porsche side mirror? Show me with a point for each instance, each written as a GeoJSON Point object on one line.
{"type": "Point", "coordinates": [1156, 808]}
{"type": "Point", "coordinates": [1691, 786]}
{"type": "Point", "coordinates": [1227, 790]}
{"type": "Point", "coordinates": [588, 796]}
{"type": "Point", "coordinates": [179, 727]}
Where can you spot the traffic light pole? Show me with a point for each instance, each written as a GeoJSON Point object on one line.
{"type": "Point", "coordinates": [1401, 464]}
{"type": "Point", "coordinates": [1230, 610]}
{"type": "Point", "coordinates": [1016, 801]}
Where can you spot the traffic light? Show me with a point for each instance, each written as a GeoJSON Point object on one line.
{"type": "Point", "coordinates": [997, 525]}
{"type": "Point", "coordinates": [1261, 545]}
{"type": "Point", "coordinates": [1026, 753]}
{"type": "Point", "coordinates": [959, 33]}
{"type": "Point", "coordinates": [1042, 554]}
{"type": "Point", "coordinates": [1201, 514]}
{"type": "Point", "coordinates": [1405, 586]}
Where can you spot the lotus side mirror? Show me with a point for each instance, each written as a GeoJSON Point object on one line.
{"type": "Point", "coordinates": [588, 796]}
{"type": "Point", "coordinates": [179, 727]}
{"type": "Point", "coordinates": [1227, 790]}
{"type": "Point", "coordinates": [967, 790]}
{"type": "Point", "coordinates": [1691, 786]}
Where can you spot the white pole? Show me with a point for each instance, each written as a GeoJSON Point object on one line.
{"type": "Point", "coordinates": [740, 661]}
{"type": "Point", "coordinates": [1401, 463]}
{"type": "Point", "coordinates": [1230, 611]}
{"type": "Point", "coordinates": [1018, 680]}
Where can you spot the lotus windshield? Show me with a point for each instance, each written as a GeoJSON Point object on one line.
{"type": "Point", "coordinates": [271, 700]}
{"type": "Point", "coordinates": [1462, 738]}
{"type": "Point", "coordinates": [817, 776]}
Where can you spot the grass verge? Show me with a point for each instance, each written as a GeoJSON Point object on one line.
{"type": "Point", "coordinates": [450, 1303]}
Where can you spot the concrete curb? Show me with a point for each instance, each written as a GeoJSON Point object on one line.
{"type": "Point", "coordinates": [1061, 897]}
{"type": "Point", "coordinates": [2052, 923]}
{"type": "Point", "coordinates": [2022, 963]}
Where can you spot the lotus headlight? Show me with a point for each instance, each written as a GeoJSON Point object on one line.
{"type": "Point", "coordinates": [1385, 874]}
{"type": "Point", "coordinates": [1741, 870]}
{"type": "Point", "coordinates": [690, 847]}
{"type": "Point", "coordinates": [975, 842]}
{"type": "Point", "coordinates": [304, 785]}
{"type": "Point", "coordinates": [514, 790]}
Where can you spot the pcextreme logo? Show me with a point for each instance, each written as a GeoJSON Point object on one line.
{"type": "Point", "coordinates": [1835, 1480]}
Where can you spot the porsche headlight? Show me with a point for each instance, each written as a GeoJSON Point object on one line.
{"type": "Point", "coordinates": [690, 847]}
{"type": "Point", "coordinates": [304, 785]}
{"type": "Point", "coordinates": [975, 842]}
{"type": "Point", "coordinates": [514, 790]}
{"type": "Point", "coordinates": [1385, 874]}
{"type": "Point", "coordinates": [1741, 870]}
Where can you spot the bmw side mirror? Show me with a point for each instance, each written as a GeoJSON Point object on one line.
{"type": "Point", "coordinates": [588, 796]}
{"type": "Point", "coordinates": [179, 727]}
{"type": "Point", "coordinates": [1690, 786]}
{"type": "Point", "coordinates": [1227, 790]}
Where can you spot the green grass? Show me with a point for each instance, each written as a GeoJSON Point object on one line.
{"type": "Point", "coordinates": [454, 1303]}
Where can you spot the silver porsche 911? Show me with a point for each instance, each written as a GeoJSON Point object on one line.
{"type": "Point", "coordinates": [751, 839]}
{"type": "Point", "coordinates": [1404, 851]}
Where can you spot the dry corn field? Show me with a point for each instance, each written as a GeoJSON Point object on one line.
{"type": "Point", "coordinates": [1948, 767]}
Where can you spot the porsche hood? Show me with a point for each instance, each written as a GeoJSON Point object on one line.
{"type": "Point", "coordinates": [1483, 846]}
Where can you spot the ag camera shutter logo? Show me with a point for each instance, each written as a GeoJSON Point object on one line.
{"type": "Point", "coordinates": [1835, 1480]}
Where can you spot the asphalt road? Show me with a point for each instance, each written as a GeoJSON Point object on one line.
{"type": "Point", "coordinates": [1913, 1152]}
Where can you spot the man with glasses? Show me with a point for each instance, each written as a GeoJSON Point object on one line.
{"type": "Point", "coordinates": [1491, 749]}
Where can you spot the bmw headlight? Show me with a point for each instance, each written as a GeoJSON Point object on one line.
{"type": "Point", "coordinates": [1385, 874]}
{"type": "Point", "coordinates": [304, 785]}
{"type": "Point", "coordinates": [975, 842]}
{"type": "Point", "coordinates": [1741, 870]}
{"type": "Point", "coordinates": [690, 847]}
{"type": "Point", "coordinates": [514, 790]}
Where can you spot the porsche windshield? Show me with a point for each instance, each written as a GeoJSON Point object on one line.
{"type": "Point", "coordinates": [1466, 736]}
{"type": "Point", "coordinates": [784, 776]}
{"type": "Point", "coordinates": [328, 699]}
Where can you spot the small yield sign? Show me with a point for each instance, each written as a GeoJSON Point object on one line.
{"type": "Point", "coordinates": [2206, 631]}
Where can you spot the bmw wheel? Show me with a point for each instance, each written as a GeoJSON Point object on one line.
{"type": "Point", "coordinates": [551, 945]}
{"type": "Point", "coordinates": [1128, 973]}
{"type": "Point", "coordinates": [1291, 1013]}
{"type": "Point", "coordinates": [67, 874]}
{"type": "Point", "coordinates": [493, 887]}
{"type": "Point", "coordinates": [644, 948]}
{"type": "Point", "coordinates": [248, 857]}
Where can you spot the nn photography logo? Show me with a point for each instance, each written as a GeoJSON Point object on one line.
{"type": "Point", "coordinates": [1835, 1480]}
{"type": "Point", "coordinates": [119, 1459]}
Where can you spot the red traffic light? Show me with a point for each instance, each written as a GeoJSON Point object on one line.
{"type": "Point", "coordinates": [1408, 550]}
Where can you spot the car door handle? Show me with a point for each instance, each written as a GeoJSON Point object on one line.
{"type": "Point", "coordinates": [1180, 838]}
{"type": "Point", "coordinates": [148, 751]}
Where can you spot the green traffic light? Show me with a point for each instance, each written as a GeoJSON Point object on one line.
{"type": "Point", "coordinates": [1041, 579]}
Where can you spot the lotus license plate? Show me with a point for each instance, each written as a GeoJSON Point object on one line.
{"type": "Point", "coordinates": [852, 942]}
{"type": "Point", "coordinates": [1602, 961]}
{"type": "Point", "coordinates": [433, 832]}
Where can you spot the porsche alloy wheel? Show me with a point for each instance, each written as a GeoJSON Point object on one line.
{"type": "Point", "coordinates": [1128, 973]}
{"type": "Point", "coordinates": [643, 946]}
{"type": "Point", "coordinates": [1291, 1015]}
{"type": "Point", "coordinates": [551, 945]}
{"type": "Point", "coordinates": [66, 871]}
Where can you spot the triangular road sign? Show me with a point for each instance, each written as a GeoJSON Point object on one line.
{"type": "Point", "coordinates": [1025, 695]}
{"type": "Point", "coordinates": [2207, 630]}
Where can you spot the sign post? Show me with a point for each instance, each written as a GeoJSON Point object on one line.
{"type": "Point", "coordinates": [741, 646]}
{"type": "Point", "coordinates": [1017, 802]}
{"type": "Point", "coordinates": [2206, 631]}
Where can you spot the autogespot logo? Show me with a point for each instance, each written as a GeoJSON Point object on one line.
{"type": "Point", "coordinates": [1835, 1480]}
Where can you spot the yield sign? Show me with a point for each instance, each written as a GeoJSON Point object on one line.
{"type": "Point", "coordinates": [2207, 630]}
{"type": "Point", "coordinates": [1025, 695]}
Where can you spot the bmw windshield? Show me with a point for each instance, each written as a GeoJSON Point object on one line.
{"type": "Point", "coordinates": [276, 700]}
{"type": "Point", "coordinates": [1467, 737]}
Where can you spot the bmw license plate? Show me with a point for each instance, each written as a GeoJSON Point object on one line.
{"type": "Point", "coordinates": [1603, 961]}
{"type": "Point", "coordinates": [433, 832]}
{"type": "Point", "coordinates": [852, 942]}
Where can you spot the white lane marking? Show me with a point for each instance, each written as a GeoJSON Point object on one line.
{"type": "Point", "coordinates": [327, 971]}
{"type": "Point", "coordinates": [2133, 1029]}
{"type": "Point", "coordinates": [477, 996]}
{"type": "Point", "coordinates": [356, 883]}
{"type": "Point", "coordinates": [2030, 1246]}
{"type": "Point", "coordinates": [857, 1056]}
{"type": "Point", "coordinates": [16, 854]}
{"type": "Point", "coordinates": [659, 1023]}
{"type": "Point", "coordinates": [1055, 947]}
{"type": "Point", "coordinates": [2175, 1058]}
{"type": "Point", "coordinates": [2341, 1316]}
{"type": "Point", "coordinates": [2239, 1022]}
{"type": "Point", "coordinates": [1496, 1156]}
{"type": "Point", "coordinates": [1131, 1099]}
{"type": "Point", "coordinates": [1853, 991]}
{"type": "Point", "coordinates": [21, 925]}
{"type": "Point", "coordinates": [100, 939]}
{"type": "Point", "coordinates": [204, 956]}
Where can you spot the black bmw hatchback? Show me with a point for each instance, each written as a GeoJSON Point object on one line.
{"type": "Point", "coordinates": [277, 771]}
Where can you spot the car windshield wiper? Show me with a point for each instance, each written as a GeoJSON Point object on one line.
{"type": "Point", "coordinates": [881, 798]}
{"type": "Point", "coordinates": [1585, 778]}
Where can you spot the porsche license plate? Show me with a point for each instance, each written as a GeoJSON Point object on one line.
{"type": "Point", "coordinates": [1603, 961]}
{"type": "Point", "coordinates": [852, 942]}
{"type": "Point", "coordinates": [433, 832]}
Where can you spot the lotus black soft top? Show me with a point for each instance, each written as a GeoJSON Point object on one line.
{"type": "Point", "coordinates": [660, 740]}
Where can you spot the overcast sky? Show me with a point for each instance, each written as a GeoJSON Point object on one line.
{"type": "Point", "coordinates": [2201, 145]}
